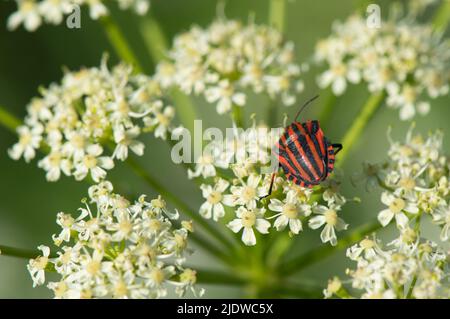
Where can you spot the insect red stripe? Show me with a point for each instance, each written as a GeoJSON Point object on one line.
{"type": "Point", "coordinates": [309, 148]}
{"type": "Point", "coordinates": [299, 169]}
{"type": "Point", "coordinates": [301, 150]}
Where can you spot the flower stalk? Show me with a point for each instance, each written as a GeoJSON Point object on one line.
{"type": "Point", "coordinates": [299, 263]}
{"type": "Point", "coordinates": [355, 131]}
{"type": "Point", "coordinates": [119, 42]}
{"type": "Point", "coordinates": [156, 43]}
{"type": "Point", "coordinates": [442, 16]}
{"type": "Point", "coordinates": [8, 120]}
{"type": "Point", "coordinates": [277, 14]}
{"type": "Point", "coordinates": [18, 252]}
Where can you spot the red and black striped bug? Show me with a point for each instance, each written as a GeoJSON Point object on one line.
{"type": "Point", "coordinates": [304, 153]}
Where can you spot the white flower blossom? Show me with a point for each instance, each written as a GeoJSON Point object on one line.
{"type": "Point", "coordinates": [213, 206]}
{"type": "Point", "coordinates": [327, 217]}
{"type": "Point", "coordinates": [247, 220]}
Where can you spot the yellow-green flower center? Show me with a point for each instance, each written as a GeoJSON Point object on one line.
{"type": "Point", "coordinates": [367, 243]}
{"type": "Point", "coordinates": [90, 161]}
{"type": "Point", "coordinates": [215, 197]}
{"type": "Point", "coordinates": [157, 275]}
{"type": "Point", "coordinates": [120, 289]}
{"type": "Point", "coordinates": [40, 262]}
{"type": "Point", "coordinates": [331, 217]}
{"type": "Point", "coordinates": [248, 193]}
{"type": "Point", "coordinates": [407, 183]}
{"type": "Point", "coordinates": [290, 211]}
{"type": "Point", "coordinates": [93, 267]}
{"type": "Point", "coordinates": [248, 219]}
{"type": "Point", "coordinates": [397, 205]}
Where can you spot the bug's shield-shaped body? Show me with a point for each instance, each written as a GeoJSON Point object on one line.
{"type": "Point", "coordinates": [305, 154]}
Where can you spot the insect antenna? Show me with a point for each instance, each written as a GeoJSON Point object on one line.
{"type": "Point", "coordinates": [303, 107]}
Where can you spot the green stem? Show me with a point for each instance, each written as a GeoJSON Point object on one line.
{"type": "Point", "coordinates": [154, 39]}
{"type": "Point", "coordinates": [9, 121]}
{"type": "Point", "coordinates": [156, 43]}
{"type": "Point", "coordinates": [442, 17]}
{"type": "Point", "coordinates": [277, 19]}
{"type": "Point", "coordinates": [411, 288]}
{"type": "Point", "coordinates": [277, 16]}
{"type": "Point", "coordinates": [119, 42]}
{"type": "Point", "coordinates": [179, 203]}
{"type": "Point", "coordinates": [19, 252]}
{"type": "Point", "coordinates": [206, 276]}
{"type": "Point", "coordinates": [297, 264]}
{"type": "Point", "coordinates": [327, 110]}
{"type": "Point", "coordinates": [236, 115]}
{"type": "Point", "coordinates": [356, 130]}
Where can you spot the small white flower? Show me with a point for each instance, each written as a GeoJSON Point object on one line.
{"type": "Point", "coordinates": [37, 266]}
{"type": "Point", "coordinates": [214, 197]}
{"type": "Point", "coordinates": [366, 247]}
{"type": "Point", "coordinates": [247, 220]}
{"type": "Point", "coordinates": [337, 77]}
{"type": "Point", "coordinates": [327, 216]}
{"type": "Point", "coordinates": [442, 218]}
{"type": "Point", "coordinates": [225, 97]}
{"type": "Point", "coordinates": [54, 163]}
{"type": "Point", "coordinates": [127, 139]}
{"type": "Point", "coordinates": [396, 208]}
{"type": "Point", "coordinates": [93, 163]}
{"type": "Point", "coordinates": [204, 167]}
{"type": "Point", "coordinates": [29, 142]}
{"type": "Point", "coordinates": [161, 120]}
{"type": "Point", "coordinates": [28, 14]}
{"type": "Point", "coordinates": [247, 194]}
{"type": "Point", "coordinates": [290, 212]}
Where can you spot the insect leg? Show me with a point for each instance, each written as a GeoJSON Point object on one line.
{"type": "Point", "coordinates": [271, 185]}
{"type": "Point", "coordinates": [338, 146]}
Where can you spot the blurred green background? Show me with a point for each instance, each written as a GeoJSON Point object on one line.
{"type": "Point", "coordinates": [28, 204]}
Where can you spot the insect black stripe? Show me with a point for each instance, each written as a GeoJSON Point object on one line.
{"type": "Point", "coordinates": [291, 147]}
{"type": "Point", "coordinates": [307, 150]}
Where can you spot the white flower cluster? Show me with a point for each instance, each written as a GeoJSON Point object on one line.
{"type": "Point", "coordinates": [90, 109]}
{"type": "Point", "coordinates": [32, 13]}
{"type": "Point", "coordinates": [419, 270]}
{"type": "Point", "coordinates": [117, 250]}
{"type": "Point", "coordinates": [233, 182]}
{"type": "Point", "coordinates": [227, 58]}
{"type": "Point", "coordinates": [404, 59]}
{"type": "Point", "coordinates": [415, 180]}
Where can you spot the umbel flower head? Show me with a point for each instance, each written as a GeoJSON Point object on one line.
{"type": "Point", "coordinates": [90, 110]}
{"type": "Point", "coordinates": [419, 271]}
{"type": "Point", "coordinates": [233, 182]}
{"type": "Point", "coordinates": [117, 249]}
{"type": "Point", "coordinates": [32, 13]}
{"type": "Point", "coordinates": [406, 60]}
{"type": "Point", "coordinates": [226, 59]}
{"type": "Point", "coordinates": [415, 182]}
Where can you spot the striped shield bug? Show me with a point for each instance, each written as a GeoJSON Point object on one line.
{"type": "Point", "coordinates": [304, 153]}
